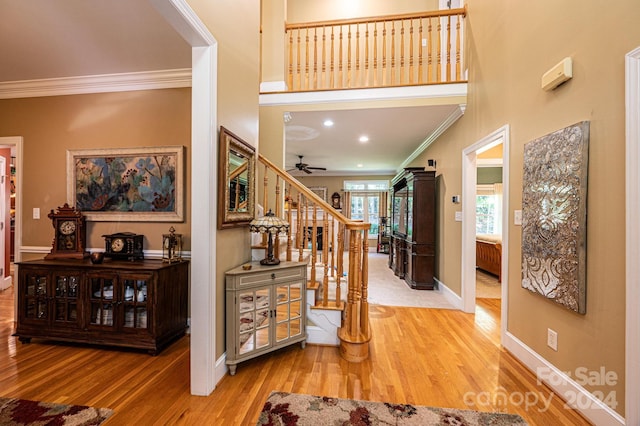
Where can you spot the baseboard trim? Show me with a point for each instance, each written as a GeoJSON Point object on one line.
{"type": "Point", "coordinates": [568, 389]}
{"type": "Point", "coordinates": [221, 368]}
{"type": "Point", "coordinates": [148, 254]}
{"type": "Point", "coordinates": [450, 295]}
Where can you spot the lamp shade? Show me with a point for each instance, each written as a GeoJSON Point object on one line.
{"type": "Point", "coordinates": [269, 223]}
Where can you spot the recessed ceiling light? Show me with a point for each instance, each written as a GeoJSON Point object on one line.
{"type": "Point", "coordinates": [364, 139]}
{"type": "Point", "coordinates": [359, 165]}
{"type": "Point", "coordinates": [328, 123]}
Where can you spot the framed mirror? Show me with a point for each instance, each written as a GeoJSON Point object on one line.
{"type": "Point", "coordinates": [236, 181]}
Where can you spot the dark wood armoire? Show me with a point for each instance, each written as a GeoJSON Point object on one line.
{"type": "Point", "coordinates": [412, 253]}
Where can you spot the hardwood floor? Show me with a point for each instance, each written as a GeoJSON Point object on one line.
{"type": "Point", "coordinates": [419, 356]}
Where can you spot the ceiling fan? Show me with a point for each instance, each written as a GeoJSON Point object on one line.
{"type": "Point", "coordinates": [304, 167]}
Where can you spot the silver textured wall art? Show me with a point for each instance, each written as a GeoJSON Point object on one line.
{"type": "Point", "coordinates": [554, 216]}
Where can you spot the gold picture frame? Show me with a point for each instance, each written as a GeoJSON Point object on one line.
{"type": "Point", "coordinates": [143, 184]}
{"type": "Point", "coordinates": [320, 191]}
{"type": "Point", "coordinates": [236, 181]}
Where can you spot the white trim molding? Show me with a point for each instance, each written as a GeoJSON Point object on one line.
{"type": "Point", "coordinates": [469, 183]}
{"type": "Point", "coordinates": [204, 371]}
{"type": "Point", "coordinates": [433, 91]}
{"type": "Point", "coordinates": [124, 82]}
{"type": "Point", "coordinates": [273, 86]}
{"type": "Point", "coordinates": [632, 249]}
{"type": "Point", "coordinates": [563, 385]}
{"type": "Point", "coordinates": [452, 118]}
{"type": "Point", "coordinates": [449, 294]}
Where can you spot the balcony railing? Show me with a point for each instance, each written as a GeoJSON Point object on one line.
{"type": "Point", "coordinates": [385, 51]}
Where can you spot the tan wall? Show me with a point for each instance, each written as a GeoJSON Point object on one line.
{"type": "Point", "coordinates": [312, 10]}
{"type": "Point", "coordinates": [236, 26]}
{"type": "Point", "coordinates": [492, 153]}
{"type": "Point", "coordinates": [336, 183]}
{"type": "Point", "coordinates": [510, 45]}
{"type": "Point", "coordinates": [52, 125]}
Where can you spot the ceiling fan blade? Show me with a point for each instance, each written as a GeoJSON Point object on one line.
{"type": "Point", "coordinates": [317, 168]}
{"type": "Point", "coordinates": [306, 170]}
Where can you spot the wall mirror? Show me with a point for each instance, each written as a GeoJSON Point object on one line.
{"type": "Point", "coordinates": [236, 181]}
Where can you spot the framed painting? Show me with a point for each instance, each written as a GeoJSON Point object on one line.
{"type": "Point", "coordinates": [554, 216]}
{"type": "Point", "coordinates": [127, 184]}
{"type": "Point", "coordinates": [320, 191]}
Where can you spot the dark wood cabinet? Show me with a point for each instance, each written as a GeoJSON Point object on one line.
{"type": "Point", "coordinates": [413, 228]}
{"type": "Point", "coordinates": [132, 304]}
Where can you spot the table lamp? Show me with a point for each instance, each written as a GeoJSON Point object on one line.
{"type": "Point", "coordinates": [271, 225]}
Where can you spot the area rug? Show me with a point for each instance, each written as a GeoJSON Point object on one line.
{"type": "Point", "coordinates": [21, 412]}
{"type": "Point", "coordinates": [291, 409]}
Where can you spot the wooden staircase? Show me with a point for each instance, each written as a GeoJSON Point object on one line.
{"type": "Point", "coordinates": [335, 248]}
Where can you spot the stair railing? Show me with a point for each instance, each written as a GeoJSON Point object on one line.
{"type": "Point", "coordinates": [307, 213]}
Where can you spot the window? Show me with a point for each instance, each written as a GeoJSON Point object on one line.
{"type": "Point", "coordinates": [365, 201]}
{"type": "Point", "coordinates": [366, 185]}
{"type": "Point", "coordinates": [489, 209]}
{"type": "Point", "coordinates": [366, 207]}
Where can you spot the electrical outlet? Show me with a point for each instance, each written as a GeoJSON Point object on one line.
{"type": "Point", "coordinates": [552, 339]}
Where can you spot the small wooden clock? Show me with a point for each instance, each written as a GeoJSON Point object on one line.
{"type": "Point", "coordinates": [70, 232]}
{"type": "Point", "coordinates": [123, 245]}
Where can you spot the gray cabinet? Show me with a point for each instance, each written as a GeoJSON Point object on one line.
{"type": "Point", "coordinates": [266, 309]}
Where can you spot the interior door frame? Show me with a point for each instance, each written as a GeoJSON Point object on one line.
{"type": "Point", "coordinates": [469, 182]}
{"type": "Point", "coordinates": [632, 249]}
{"type": "Point", "coordinates": [205, 370]}
{"type": "Point", "coordinates": [17, 142]}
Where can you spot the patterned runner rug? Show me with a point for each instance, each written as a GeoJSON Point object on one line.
{"type": "Point", "coordinates": [20, 412]}
{"type": "Point", "coordinates": [291, 409]}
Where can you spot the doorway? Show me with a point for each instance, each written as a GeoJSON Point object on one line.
{"type": "Point", "coordinates": [14, 146]}
{"type": "Point", "coordinates": [469, 188]}
{"type": "Point", "coordinates": [489, 195]}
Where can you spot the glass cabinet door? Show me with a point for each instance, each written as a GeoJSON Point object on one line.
{"type": "Point", "coordinates": [135, 302]}
{"type": "Point", "coordinates": [254, 310]}
{"type": "Point", "coordinates": [35, 306]}
{"type": "Point", "coordinates": [289, 306]}
{"type": "Point", "coordinates": [102, 300]}
{"type": "Point", "coordinates": [65, 298]}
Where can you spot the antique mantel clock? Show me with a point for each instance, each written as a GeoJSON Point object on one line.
{"type": "Point", "coordinates": [124, 246]}
{"type": "Point", "coordinates": [70, 232]}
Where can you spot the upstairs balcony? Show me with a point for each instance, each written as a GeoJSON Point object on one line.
{"type": "Point", "coordinates": [395, 51]}
{"type": "Point", "coordinates": [385, 51]}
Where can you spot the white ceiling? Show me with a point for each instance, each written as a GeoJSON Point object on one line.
{"type": "Point", "coordinates": [43, 39]}
{"type": "Point", "coordinates": [394, 134]}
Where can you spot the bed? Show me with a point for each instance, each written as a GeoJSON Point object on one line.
{"type": "Point", "coordinates": [489, 254]}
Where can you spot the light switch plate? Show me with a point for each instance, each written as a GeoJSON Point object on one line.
{"type": "Point", "coordinates": [517, 217]}
{"type": "Point", "coordinates": [458, 216]}
{"type": "Point", "coordinates": [36, 213]}
{"type": "Point", "coordinates": [552, 339]}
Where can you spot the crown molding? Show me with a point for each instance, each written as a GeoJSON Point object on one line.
{"type": "Point", "coordinates": [125, 82]}
{"type": "Point", "coordinates": [453, 117]}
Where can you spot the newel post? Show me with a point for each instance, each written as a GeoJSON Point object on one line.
{"type": "Point", "coordinates": [355, 332]}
